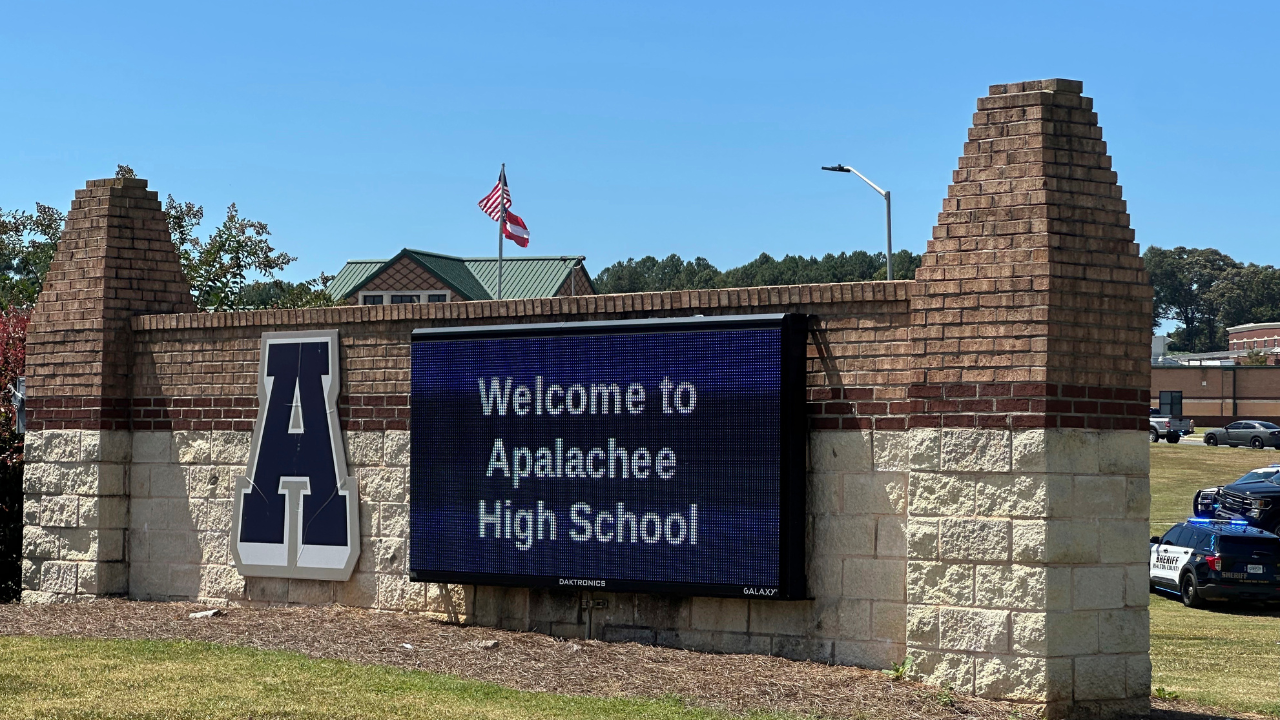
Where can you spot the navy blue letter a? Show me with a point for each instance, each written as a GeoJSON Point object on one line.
{"type": "Point", "coordinates": [296, 512]}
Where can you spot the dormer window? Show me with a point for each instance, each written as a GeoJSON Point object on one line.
{"type": "Point", "coordinates": [404, 297]}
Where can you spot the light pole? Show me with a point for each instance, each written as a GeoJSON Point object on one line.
{"type": "Point", "coordinates": [888, 216]}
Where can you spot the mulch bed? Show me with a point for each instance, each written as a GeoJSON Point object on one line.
{"type": "Point", "coordinates": [528, 661]}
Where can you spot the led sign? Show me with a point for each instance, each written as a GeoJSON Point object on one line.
{"type": "Point", "coordinates": [649, 455]}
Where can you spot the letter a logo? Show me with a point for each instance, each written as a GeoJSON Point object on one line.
{"type": "Point", "coordinates": [297, 513]}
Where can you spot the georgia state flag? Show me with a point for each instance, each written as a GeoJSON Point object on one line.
{"type": "Point", "coordinates": [516, 230]}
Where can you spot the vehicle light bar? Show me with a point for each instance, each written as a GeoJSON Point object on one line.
{"type": "Point", "coordinates": [1209, 521]}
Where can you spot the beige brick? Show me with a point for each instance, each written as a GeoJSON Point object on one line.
{"type": "Point", "coordinates": [1024, 495]}
{"type": "Point", "coordinates": [922, 539]}
{"type": "Point", "coordinates": [1017, 586]}
{"type": "Point", "coordinates": [221, 581]}
{"type": "Point", "coordinates": [1124, 631]}
{"type": "Point", "coordinates": [1124, 452]}
{"type": "Point", "coordinates": [873, 655]}
{"type": "Point", "coordinates": [104, 512]}
{"type": "Point", "coordinates": [875, 493]}
{"type": "Point", "coordinates": [363, 448]}
{"type": "Point", "coordinates": [192, 447]}
{"type": "Point", "coordinates": [915, 449]}
{"type": "Point", "coordinates": [1071, 451]}
{"type": "Point", "coordinates": [936, 583]}
{"type": "Point", "coordinates": [384, 484]}
{"type": "Point", "coordinates": [719, 614]}
{"type": "Point", "coordinates": [396, 448]}
{"type": "Point", "coordinates": [393, 520]}
{"type": "Point", "coordinates": [954, 670]}
{"type": "Point", "coordinates": [58, 577]}
{"type": "Point", "coordinates": [1096, 588]}
{"type": "Point", "coordinates": [976, 450]}
{"type": "Point", "coordinates": [891, 537]}
{"type": "Point", "coordinates": [311, 592]}
{"type": "Point", "coordinates": [841, 451]}
{"type": "Point", "coordinates": [360, 591]}
{"type": "Point", "coordinates": [1138, 498]}
{"type": "Point", "coordinates": [838, 536]}
{"type": "Point", "coordinates": [874, 579]}
{"type": "Point", "coordinates": [1138, 676]}
{"type": "Point", "coordinates": [52, 446]}
{"type": "Point", "coordinates": [1101, 677]}
{"type": "Point", "coordinates": [41, 543]}
{"type": "Point", "coordinates": [60, 511]}
{"type": "Point", "coordinates": [922, 625]}
{"type": "Point", "coordinates": [227, 447]}
{"type": "Point", "coordinates": [1011, 678]}
{"type": "Point", "coordinates": [940, 494]}
{"type": "Point", "coordinates": [971, 630]}
{"type": "Point", "coordinates": [1100, 496]}
{"type": "Point", "coordinates": [153, 447]}
{"type": "Point", "coordinates": [888, 621]}
{"type": "Point", "coordinates": [1123, 541]}
{"type": "Point", "coordinates": [970, 539]}
{"type": "Point", "coordinates": [94, 479]}
{"type": "Point", "coordinates": [1028, 451]}
{"type": "Point", "coordinates": [42, 477]}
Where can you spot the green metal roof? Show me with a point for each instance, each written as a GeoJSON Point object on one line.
{"type": "Point", "coordinates": [352, 275]}
{"type": "Point", "coordinates": [471, 278]}
{"type": "Point", "coordinates": [522, 277]}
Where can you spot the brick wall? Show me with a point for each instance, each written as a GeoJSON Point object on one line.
{"type": "Point", "coordinates": [1030, 338]}
{"type": "Point", "coordinates": [977, 460]}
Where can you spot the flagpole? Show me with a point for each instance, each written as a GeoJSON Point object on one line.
{"type": "Point", "coordinates": [502, 222]}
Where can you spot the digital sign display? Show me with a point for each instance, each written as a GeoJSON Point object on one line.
{"type": "Point", "coordinates": [646, 455]}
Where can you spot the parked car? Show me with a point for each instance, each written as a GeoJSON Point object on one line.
{"type": "Point", "coordinates": [1253, 499]}
{"type": "Point", "coordinates": [1170, 428]}
{"type": "Point", "coordinates": [1216, 560]}
{"type": "Point", "coordinates": [1254, 433]}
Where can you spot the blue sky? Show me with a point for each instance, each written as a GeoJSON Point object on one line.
{"type": "Point", "coordinates": [627, 129]}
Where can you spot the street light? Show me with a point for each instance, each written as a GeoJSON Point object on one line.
{"type": "Point", "coordinates": [888, 215]}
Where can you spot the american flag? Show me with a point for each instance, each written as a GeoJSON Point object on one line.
{"type": "Point", "coordinates": [498, 198]}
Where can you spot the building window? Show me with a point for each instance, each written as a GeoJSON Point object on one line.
{"type": "Point", "coordinates": [1171, 403]}
{"type": "Point", "coordinates": [437, 297]}
{"type": "Point", "coordinates": [405, 299]}
{"type": "Point", "coordinates": [371, 300]}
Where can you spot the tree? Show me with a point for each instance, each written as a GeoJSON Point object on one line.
{"type": "Point", "coordinates": [284, 294]}
{"type": "Point", "coordinates": [1186, 285]}
{"type": "Point", "coordinates": [648, 274]}
{"type": "Point", "coordinates": [1254, 357]}
{"type": "Point", "coordinates": [217, 267]}
{"type": "Point", "coordinates": [27, 244]}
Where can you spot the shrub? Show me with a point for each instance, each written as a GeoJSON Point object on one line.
{"type": "Point", "coordinates": [13, 341]}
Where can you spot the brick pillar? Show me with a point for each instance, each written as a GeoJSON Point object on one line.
{"type": "Point", "coordinates": [115, 260]}
{"type": "Point", "coordinates": [1031, 331]}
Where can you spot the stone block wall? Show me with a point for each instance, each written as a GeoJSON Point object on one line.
{"type": "Point", "coordinates": [978, 472]}
{"type": "Point", "coordinates": [75, 514]}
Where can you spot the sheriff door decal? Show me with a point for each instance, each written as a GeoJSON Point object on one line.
{"type": "Point", "coordinates": [297, 513]}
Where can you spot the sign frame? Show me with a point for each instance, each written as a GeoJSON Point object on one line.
{"type": "Point", "coordinates": [792, 445]}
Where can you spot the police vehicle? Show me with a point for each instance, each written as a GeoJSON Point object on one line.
{"type": "Point", "coordinates": [1203, 559]}
{"type": "Point", "coordinates": [1254, 499]}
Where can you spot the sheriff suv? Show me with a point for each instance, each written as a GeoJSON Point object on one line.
{"type": "Point", "coordinates": [1253, 499]}
{"type": "Point", "coordinates": [1216, 560]}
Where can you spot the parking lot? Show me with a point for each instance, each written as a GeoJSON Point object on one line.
{"type": "Point", "coordinates": [1225, 655]}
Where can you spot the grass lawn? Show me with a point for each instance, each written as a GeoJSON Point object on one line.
{"type": "Point", "coordinates": [77, 678]}
{"type": "Point", "coordinates": [1228, 656]}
